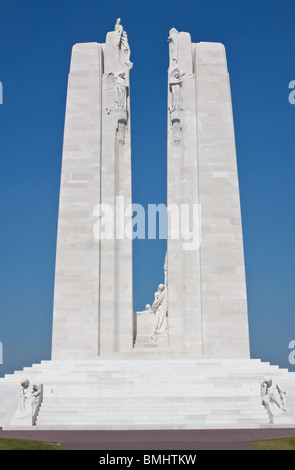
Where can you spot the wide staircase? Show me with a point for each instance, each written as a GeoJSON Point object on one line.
{"type": "Point", "coordinates": [150, 393]}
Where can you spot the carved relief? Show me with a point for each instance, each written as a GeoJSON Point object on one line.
{"type": "Point", "coordinates": [175, 86]}
{"type": "Point", "coordinates": [176, 130]}
{"type": "Point", "coordinates": [172, 39]}
{"type": "Point", "coordinates": [117, 90]}
{"type": "Point", "coordinates": [121, 90]}
{"type": "Point", "coordinates": [160, 310]}
{"type": "Point", "coordinates": [273, 397]}
{"type": "Point", "coordinates": [121, 130]}
{"type": "Point", "coordinates": [123, 45]}
{"type": "Point", "coordinates": [30, 399]}
{"type": "Point", "coordinates": [116, 101]}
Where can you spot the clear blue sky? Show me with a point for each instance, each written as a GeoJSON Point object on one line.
{"type": "Point", "coordinates": [36, 37]}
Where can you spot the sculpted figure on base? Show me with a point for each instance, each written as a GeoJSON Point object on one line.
{"type": "Point", "coordinates": [172, 40]}
{"type": "Point", "coordinates": [117, 91]}
{"type": "Point", "coordinates": [273, 397]}
{"type": "Point", "coordinates": [30, 398]}
{"type": "Point", "coordinates": [122, 88]}
{"type": "Point", "coordinates": [175, 85]}
{"type": "Point", "coordinates": [159, 308]}
{"type": "Point", "coordinates": [123, 43]}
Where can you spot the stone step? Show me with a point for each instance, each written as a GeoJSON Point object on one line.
{"type": "Point", "coordinates": [145, 372]}
{"type": "Point", "coordinates": [56, 414]}
{"type": "Point", "coordinates": [149, 405]}
{"type": "Point", "coordinates": [130, 412]}
{"type": "Point", "coordinates": [139, 386]}
{"type": "Point", "coordinates": [176, 363]}
{"type": "Point", "coordinates": [161, 379]}
{"type": "Point", "coordinates": [209, 372]}
{"type": "Point", "coordinates": [151, 365]}
{"type": "Point", "coordinates": [127, 382]}
{"type": "Point", "coordinates": [144, 410]}
{"type": "Point", "coordinates": [139, 427]}
{"type": "Point", "coordinates": [150, 394]}
{"type": "Point", "coordinates": [155, 416]}
{"type": "Point", "coordinates": [148, 421]}
{"type": "Point", "coordinates": [99, 425]}
{"type": "Point", "coordinates": [144, 375]}
{"type": "Point", "coordinates": [134, 396]}
{"type": "Point", "coordinates": [163, 401]}
{"type": "Point", "coordinates": [142, 383]}
{"type": "Point", "coordinates": [107, 365]}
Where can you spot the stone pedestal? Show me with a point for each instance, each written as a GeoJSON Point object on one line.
{"type": "Point", "coordinates": [165, 391]}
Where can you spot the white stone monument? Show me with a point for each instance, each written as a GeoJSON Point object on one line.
{"type": "Point", "coordinates": [93, 281]}
{"type": "Point", "coordinates": [207, 299]}
{"type": "Point", "coordinates": [185, 362]}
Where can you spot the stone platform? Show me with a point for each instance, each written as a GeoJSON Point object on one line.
{"type": "Point", "coordinates": [143, 393]}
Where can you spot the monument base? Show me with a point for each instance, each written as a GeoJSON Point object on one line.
{"type": "Point", "coordinates": [136, 391]}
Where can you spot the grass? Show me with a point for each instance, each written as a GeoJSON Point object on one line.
{"type": "Point", "coordinates": [24, 444]}
{"type": "Point", "coordinates": [286, 443]}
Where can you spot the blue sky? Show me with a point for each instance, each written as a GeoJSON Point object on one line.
{"type": "Point", "coordinates": [36, 37]}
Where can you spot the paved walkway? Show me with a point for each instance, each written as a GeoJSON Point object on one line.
{"type": "Point", "coordinates": [227, 439]}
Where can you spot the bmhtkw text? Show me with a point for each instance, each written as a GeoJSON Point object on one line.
{"type": "Point", "coordinates": [170, 459]}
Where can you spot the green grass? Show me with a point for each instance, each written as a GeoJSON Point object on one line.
{"type": "Point", "coordinates": [24, 444]}
{"type": "Point", "coordinates": [286, 443]}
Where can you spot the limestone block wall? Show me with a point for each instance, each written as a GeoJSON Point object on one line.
{"type": "Point", "coordinates": [116, 292]}
{"type": "Point", "coordinates": [184, 295]}
{"type": "Point", "coordinates": [224, 297]}
{"type": "Point", "coordinates": [207, 300]}
{"type": "Point", "coordinates": [93, 310]}
{"type": "Point", "coordinates": [76, 295]}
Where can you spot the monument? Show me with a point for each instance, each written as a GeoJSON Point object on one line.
{"type": "Point", "coordinates": [183, 362]}
{"type": "Point", "coordinates": [93, 280]}
{"type": "Point", "coordinates": [207, 291]}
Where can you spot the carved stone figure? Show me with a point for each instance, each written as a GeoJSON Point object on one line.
{"type": "Point", "coordinates": [122, 87]}
{"type": "Point", "coordinates": [175, 85]}
{"type": "Point", "coordinates": [121, 130]}
{"type": "Point", "coordinates": [176, 130]}
{"type": "Point", "coordinates": [29, 400]}
{"type": "Point", "coordinates": [172, 39]}
{"type": "Point", "coordinates": [273, 397]}
{"type": "Point", "coordinates": [159, 308]}
{"type": "Point", "coordinates": [123, 43]}
{"type": "Point", "coordinates": [116, 91]}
